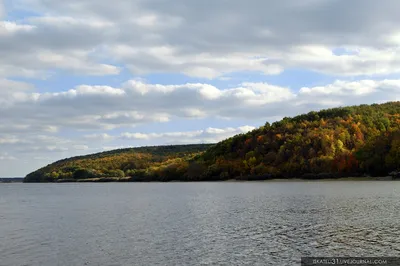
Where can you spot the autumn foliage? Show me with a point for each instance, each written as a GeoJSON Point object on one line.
{"type": "Point", "coordinates": [348, 141]}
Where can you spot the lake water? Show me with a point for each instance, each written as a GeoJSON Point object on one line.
{"type": "Point", "coordinates": [253, 223]}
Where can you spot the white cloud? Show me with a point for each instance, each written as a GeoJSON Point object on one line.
{"type": "Point", "coordinates": [81, 147]}
{"type": "Point", "coordinates": [6, 157]}
{"type": "Point", "coordinates": [8, 28]}
{"type": "Point", "coordinates": [264, 36]}
{"type": "Point", "coordinates": [76, 63]}
{"type": "Point", "coordinates": [42, 158]}
{"type": "Point", "coordinates": [92, 90]}
{"type": "Point", "coordinates": [210, 92]}
{"type": "Point", "coordinates": [359, 61]}
{"type": "Point", "coordinates": [136, 103]}
{"type": "Point", "coordinates": [99, 137]}
{"type": "Point", "coordinates": [42, 44]}
{"type": "Point", "coordinates": [1, 9]}
{"type": "Point", "coordinates": [50, 129]}
{"type": "Point", "coordinates": [209, 135]}
{"type": "Point", "coordinates": [354, 88]}
{"type": "Point", "coordinates": [193, 113]}
{"type": "Point", "coordinates": [66, 21]}
{"type": "Point", "coordinates": [9, 140]}
{"type": "Point", "coordinates": [103, 107]}
{"type": "Point", "coordinates": [8, 87]}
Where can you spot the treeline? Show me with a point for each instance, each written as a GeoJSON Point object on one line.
{"type": "Point", "coordinates": [138, 162]}
{"type": "Point", "coordinates": [11, 179]}
{"type": "Point", "coordinates": [348, 141]}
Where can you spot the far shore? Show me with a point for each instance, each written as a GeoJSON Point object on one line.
{"type": "Point", "coordinates": [128, 179]}
{"type": "Point", "coordinates": [381, 178]}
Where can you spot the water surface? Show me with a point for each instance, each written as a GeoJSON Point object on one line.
{"type": "Point", "coordinates": [253, 223]}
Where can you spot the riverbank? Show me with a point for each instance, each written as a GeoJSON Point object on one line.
{"type": "Point", "coordinates": [383, 178]}
{"type": "Point", "coordinates": [94, 180]}
{"type": "Point", "coordinates": [11, 179]}
{"type": "Point", "coordinates": [131, 179]}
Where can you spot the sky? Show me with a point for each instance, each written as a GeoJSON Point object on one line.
{"type": "Point", "coordinates": [85, 76]}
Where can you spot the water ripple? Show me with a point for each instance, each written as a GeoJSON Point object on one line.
{"type": "Point", "coordinates": [196, 224]}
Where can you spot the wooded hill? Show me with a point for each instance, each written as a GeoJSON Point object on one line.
{"type": "Point", "coordinates": [120, 164]}
{"type": "Point", "coordinates": [348, 141]}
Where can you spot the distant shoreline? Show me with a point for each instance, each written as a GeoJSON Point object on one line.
{"type": "Point", "coordinates": [383, 178]}
{"type": "Point", "coordinates": [130, 180]}
{"type": "Point", "coordinates": [11, 179]}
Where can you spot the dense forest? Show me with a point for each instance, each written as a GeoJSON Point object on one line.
{"type": "Point", "coordinates": [347, 141]}
{"type": "Point", "coordinates": [160, 162]}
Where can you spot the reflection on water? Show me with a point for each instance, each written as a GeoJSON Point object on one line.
{"type": "Point", "coordinates": [270, 223]}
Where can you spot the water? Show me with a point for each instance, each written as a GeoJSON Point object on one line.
{"type": "Point", "coordinates": [260, 223]}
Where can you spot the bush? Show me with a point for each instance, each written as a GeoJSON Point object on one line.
{"type": "Point", "coordinates": [83, 174]}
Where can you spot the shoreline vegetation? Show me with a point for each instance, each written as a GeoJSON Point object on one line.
{"type": "Point", "coordinates": [11, 179]}
{"type": "Point", "coordinates": [131, 180]}
{"type": "Point", "coordinates": [358, 142]}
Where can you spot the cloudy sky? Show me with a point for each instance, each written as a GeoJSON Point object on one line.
{"type": "Point", "coordinates": [83, 76]}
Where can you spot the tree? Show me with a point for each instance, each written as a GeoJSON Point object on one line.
{"type": "Point", "coordinates": [83, 174]}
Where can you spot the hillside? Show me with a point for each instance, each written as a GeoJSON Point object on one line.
{"type": "Point", "coordinates": [120, 163]}
{"type": "Point", "coordinates": [348, 141]}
